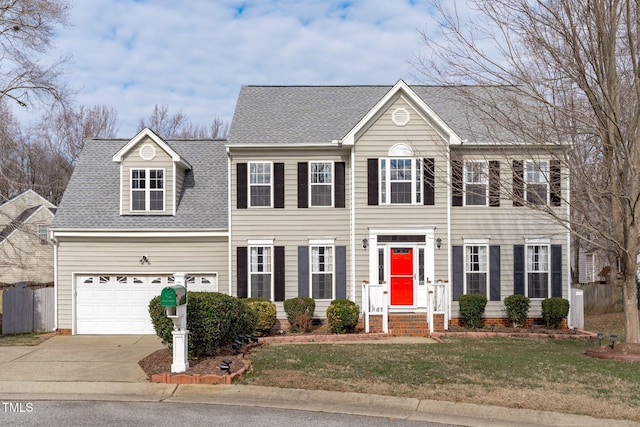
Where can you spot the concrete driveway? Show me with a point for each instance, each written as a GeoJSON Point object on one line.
{"type": "Point", "coordinates": [84, 358]}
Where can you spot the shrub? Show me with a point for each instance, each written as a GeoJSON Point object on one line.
{"type": "Point", "coordinates": [299, 313]}
{"type": "Point", "coordinates": [554, 310]}
{"type": "Point", "coordinates": [517, 309]}
{"type": "Point", "coordinates": [265, 311]}
{"type": "Point", "coordinates": [214, 320]}
{"type": "Point", "coordinates": [342, 316]}
{"type": "Point", "coordinates": [471, 309]}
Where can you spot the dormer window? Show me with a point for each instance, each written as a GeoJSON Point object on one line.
{"type": "Point", "coordinates": [147, 190]}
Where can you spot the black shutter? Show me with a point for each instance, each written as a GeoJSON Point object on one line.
{"type": "Point", "coordinates": [555, 183]}
{"type": "Point", "coordinates": [303, 271]}
{"type": "Point", "coordinates": [556, 271]}
{"type": "Point", "coordinates": [494, 183]}
{"type": "Point", "coordinates": [518, 269]}
{"type": "Point", "coordinates": [428, 177]}
{"type": "Point", "coordinates": [341, 272]}
{"type": "Point", "coordinates": [372, 182]}
{"type": "Point", "coordinates": [303, 185]}
{"type": "Point", "coordinates": [241, 184]}
{"type": "Point", "coordinates": [278, 185]}
{"type": "Point", "coordinates": [241, 268]}
{"type": "Point", "coordinates": [518, 183]}
{"type": "Point", "coordinates": [339, 188]}
{"type": "Point", "coordinates": [456, 182]}
{"type": "Point", "coordinates": [278, 273]}
{"type": "Point", "coordinates": [494, 273]}
{"type": "Point", "coordinates": [457, 261]}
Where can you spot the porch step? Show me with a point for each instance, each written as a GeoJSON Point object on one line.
{"type": "Point", "coordinates": [407, 325]}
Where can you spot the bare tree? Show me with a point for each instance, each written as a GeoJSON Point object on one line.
{"type": "Point", "coordinates": [27, 29]}
{"type": "Point", "coordinates": [576, 63]}
{"type": "Point", "coordinates": [178, 125]}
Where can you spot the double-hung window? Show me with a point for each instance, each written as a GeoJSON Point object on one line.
{"type": "Point", "coordinates": [537, 181]}
{"type": "Point", "coordinates": [322, 272]}
{"type": "Point", "coordinates": [476, 269]}
{"type": "Point", "coordinates": [537, 271]}
{"type": "Point", "coordinates": [260, 271]}
{"type": "Point", "coordinates": [400, 181]}
{"type": "Point", "coordinates": [260, 180]}
{"type": "Point", "coordinates": [321, 183]}
{"type": "Point", "coordinates": [147, 189]}
{"type": "Point", "coordinates": [43, 232]}
{"type": "Point", "coordinates": [475, 183]}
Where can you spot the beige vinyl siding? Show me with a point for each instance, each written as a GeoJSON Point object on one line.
{"type": "Point", "coordinates": [23, 257]}
{"type": "Point", "coordinates": [507, 226]}
{"type": "Point", "coordinates": [290, 227]}
{"type": "Point", "coordinates": [375, 142]}
{"type": "Point", "coordinates": [162, 160]}
{"type": "Point", "coordinates": [110, 256]}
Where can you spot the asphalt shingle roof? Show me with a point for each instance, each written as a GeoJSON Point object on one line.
{"type": "Point", "coordinates": [92, 197]}
{"type": "Point", "coordinates": [299, 115]}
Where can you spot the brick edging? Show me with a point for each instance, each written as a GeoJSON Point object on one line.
{"type": "Point", "coordinates": [585, 335]}
{"type": "Point", "coordinates": [323, 338]}
{"type": "Point", "coordinates": [200, 378]}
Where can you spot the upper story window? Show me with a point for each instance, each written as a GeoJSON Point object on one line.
{"type": "Point", "coordinates": [260, 184]}
{"type": "Point", "coordinates": [537, 271]}
{"type": "Point", "coordinates": [43, 232]}
{"type": "Point", "coordinates": [147, 189]}
{"type": "Point", "coordinates": [475, 183]}
{"type": "Point", "coordinates": [322, 272]}
{"type": "Point", "coordinates": [476, 269]}
{"type": "Point", "coordinates": [321, 183]}
{"type": "Point", "coordinates": [400, 181]}
{"type": "Point", "coordinates": [536, 182]}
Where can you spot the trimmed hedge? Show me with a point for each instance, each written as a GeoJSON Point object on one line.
{"type": "Point", "coordinates": [471, 309]}
{"type": "Point", "coordinates": [517, 307]}
{"type": "Point", "coordinates": [554, 310]}
{"type": "Point", "coordinates": [266, 313]}
{"type": "Point", "coordinates": [342, 316]}
{"type": "Point", "coordinates": [214, 320]}
{"type": "Point", "coordinates": [299, 313]}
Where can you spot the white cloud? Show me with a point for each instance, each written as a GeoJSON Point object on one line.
{"type": "Point", "coordinates": [194, 55]}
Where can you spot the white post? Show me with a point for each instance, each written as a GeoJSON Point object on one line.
{"type": "Point", "coordinates": [180, 332]}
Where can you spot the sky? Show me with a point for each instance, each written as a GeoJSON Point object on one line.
{"type": "Point", "coordinates": [194, 55]}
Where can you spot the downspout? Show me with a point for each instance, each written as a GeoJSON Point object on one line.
{"type": "Point", "coordinates": [568, 255]}
{"type": "Point", "coordinates": [229, 227]}
{"type": "Point", "coordinates": [352, 215]}
{"type": "Point", "coordinates": [55, 281]}
{"type": "Point", "coordinates": [448, 245]}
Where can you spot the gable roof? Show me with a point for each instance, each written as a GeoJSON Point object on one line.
{"type": "Point", "coordinates": [40, 200]}
{"type": "Point", "coordinates": [304, 115]}
{"type": "Point", "coordinates": [148, 133]}
{"type": "Point", "coordinates": [92, 198]}
{"type": "Point", "coordinates": [21, 219]}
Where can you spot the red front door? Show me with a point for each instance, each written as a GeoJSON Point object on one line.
{"type": "Point", "coordinates": [401, 276]}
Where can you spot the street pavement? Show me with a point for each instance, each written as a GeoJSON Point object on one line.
{"type": "Point", "coordinates": [105, 368]}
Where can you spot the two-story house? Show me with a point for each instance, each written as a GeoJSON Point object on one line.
{"type": "Point", "coordinates": [389, 196]}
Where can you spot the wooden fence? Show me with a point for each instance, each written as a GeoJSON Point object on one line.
{"type": "Point", "coordinates": [25, 310]}
{"type": "Point", "coordinates": [601, 298]}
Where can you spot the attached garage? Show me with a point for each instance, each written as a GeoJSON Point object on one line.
{"type": "Point", "coordinates": [118, 304]}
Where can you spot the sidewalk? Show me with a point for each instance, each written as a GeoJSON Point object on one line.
{"type": "Point", "coordinates": [105, 368]}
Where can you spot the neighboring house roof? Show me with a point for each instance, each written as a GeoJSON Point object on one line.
{"type": "Point", "coordinates": [40, 200]}
{"type": "Point", "coordinates": [20, 220]}
{"type": "Point", "coordinates": [299, 115]}
{"type": "Point", "coordinates": [92, 198]}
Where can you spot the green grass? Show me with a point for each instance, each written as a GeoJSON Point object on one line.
{"type": "Point", "coordinates": [542, 374]}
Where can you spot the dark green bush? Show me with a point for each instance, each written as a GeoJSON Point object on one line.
{"type": "Point", "coordinates": [265, 310]}
{"type": "Point", "coordinates": [554, 310]}
{"type": "Point", "coordinates": [299, 313]}
{"type": "Point", "coordinates": [471, 309]}
{"type": "Point", "coordinates": [214, 320]}
{"type": "Point", "coordinates": [342, 316]}
{"type": "Point", "coordinates": [517, 309]}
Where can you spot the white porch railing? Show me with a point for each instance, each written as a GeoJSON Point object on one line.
{"type": "Point", "coordinates": [375, 302]}
{"type": "Point", "coordinates": [437, 303]}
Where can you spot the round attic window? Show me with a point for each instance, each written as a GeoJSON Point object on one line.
{"type": "Point", "coordinates": [400, 116]}
{"type": "Point", "coordinates": [147, 152]}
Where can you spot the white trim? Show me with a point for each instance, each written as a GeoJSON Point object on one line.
{"type": "Point", "coordinates": [146, 132]}
{"type": "Point", "coordinates": [271, 265]}
{"type": "Point", "coordinates": [260, 242]}
{"type": "Point", "coordinates": [401, 86]}
{"type": "Point", "coordinates": [400, 150]}
{"type": "Point", "coordinates": [152, 154]}
{"type": "Point", "coordinates": [352, 225]}
{"type": "Point", "coordinates": [138, 233]}
{"type": "Point", "coordinates": [332, 185]}
{"type": "Point", "coordinates": [147, 191]}
{"type": "Point", "coordinates": [485, 180]}
{"type": "Point", "coordinates": [271, 183]}
{"type": "Point", "coordinates": [537, 241]}
{"type": "Point", "coordinates": [27, 193]}
{"type": "Point", "coordinates": [476, 242]}
{"type": "Point", "coordinates": [230, 222]}
{"type": "Point", "coordinates": [322, 242]}
{"type": "Point", "coordinates": [479, 243]}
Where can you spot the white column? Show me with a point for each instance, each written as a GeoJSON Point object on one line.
{"type": "Point", "coordinates": [180, 350]}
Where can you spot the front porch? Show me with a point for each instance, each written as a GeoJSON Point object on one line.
{"type": "Point", "coordinates": [378, 315]}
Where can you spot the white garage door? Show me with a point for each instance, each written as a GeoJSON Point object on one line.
{"type": "Point", "coordinates": [120, 304]}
